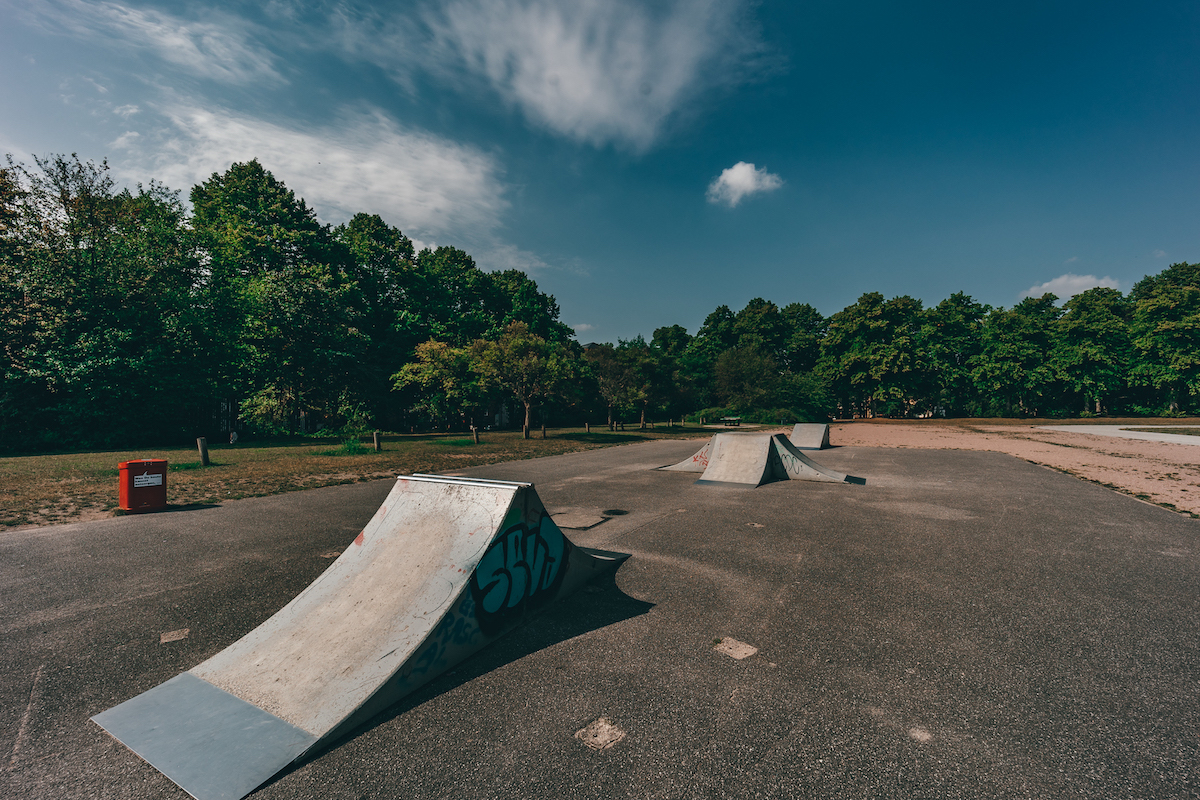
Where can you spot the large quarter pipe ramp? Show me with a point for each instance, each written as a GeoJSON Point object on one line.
{"type": "Point", "coordinates": [446, 566]}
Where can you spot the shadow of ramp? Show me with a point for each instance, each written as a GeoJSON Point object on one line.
{"type": "Point", "coordinates": [599, 604]}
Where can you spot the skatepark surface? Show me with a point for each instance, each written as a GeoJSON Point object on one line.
{"type": "Point", "coordinates": [965, 625]}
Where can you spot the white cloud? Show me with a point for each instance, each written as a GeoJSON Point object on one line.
{"type": "Point", "coordinates": [219, 48]}
{"type": "Point", "coordinates": [583, 327]}
{"type": "Point", "coordinates": [125, 141]}
{"type": "Point", "coordinates": [427, 186]}
{"type": "Point", "coordinates": [1069, 285]}
{"type": "Point", "coordinates": [1160, 254]}
{"type": "Point", "coordinates": [1071, 260]}
{"type": "Point", "coordinates": [126, 110]}
{"type": "Point", "coordinates": [739, 181]}
{"type": "Point", "coordinates": [596, 71]}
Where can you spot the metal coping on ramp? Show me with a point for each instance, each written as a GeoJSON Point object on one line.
{"type": "Point", "coordinates": [747, 460]}
{"type": "Point", "coordinates": [446, 566]}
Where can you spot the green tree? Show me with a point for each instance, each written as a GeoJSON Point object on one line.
{"type": "Point", "coordinates": [101, 341]}
{"type": "Point", "coordinates": [1014, 366]}
{"type": "Point", "coordinates": [759, 326]}
{"type": "Point", "coordinates": [952, 340]}
{"type": "Point", "coordinates": [871, 356]}
{"type": "Point", "coordinates": [525, 365]}
{"type": "Point", "coordinates": [1093, 346]}
{"type": "Point", "coordinates": [747, 379]}
{"type": "Point", "coordinates": [1166, 333]}
{"type": "Point", "coordinates": [447, 383]}
{"type": "Point", "coordinates": [612, 376]}
{"type": "Point", "coordinates": [281, 299]}
{"type": "Point", "coordinates": [805, 329]}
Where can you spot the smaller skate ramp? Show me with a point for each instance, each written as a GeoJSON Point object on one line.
{"type": "Point", "coordinates": [446, 566]}
{"type": "Point", "coordinates": [810, 436]}
{"type": "Point", "coordinates": [747, 460]}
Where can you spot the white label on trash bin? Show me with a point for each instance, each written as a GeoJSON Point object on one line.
{"type": "Point", "coordinates": [147, 480]}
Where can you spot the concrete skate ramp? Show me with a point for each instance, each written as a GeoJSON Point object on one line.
{"type": "Point", "coordinates": [810, 435]}
{"type": "Point", "coordinates": [446, 566]}
{"type": "Point", "coordinates": [751, 459]}
{"type": "Point", "coordinates": [697, 462]}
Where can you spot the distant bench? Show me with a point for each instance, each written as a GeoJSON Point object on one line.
{"type": "Point", "coordinates": [731, 422]}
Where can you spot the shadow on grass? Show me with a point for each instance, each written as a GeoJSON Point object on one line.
{"type": "Point", "coordinates": [597, 605]}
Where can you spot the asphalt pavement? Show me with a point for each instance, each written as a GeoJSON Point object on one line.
{"type": "Point", "coordinates": [964, 625]}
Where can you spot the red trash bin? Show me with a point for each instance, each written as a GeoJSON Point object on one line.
{"type": "Point", "coordinates": [143, 485]}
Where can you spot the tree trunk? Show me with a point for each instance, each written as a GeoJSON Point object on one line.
{"type": "Point", "coordinates": [643, 425]}
{"type": "Point", "coordinates": [528, 418]}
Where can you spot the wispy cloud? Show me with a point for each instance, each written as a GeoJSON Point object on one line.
{"type": "Point", "coordinates": [363, 161]}
{"type": "Point", "coordinates": [596, 71]}
{"type": "Point", "coordinates": [1071, 260]}
{"type": "Point", "coordinates": [583, 327]}
{"type": "Point", "coordinates": [1069, 285]}
{"type": "Point", "coordinates": [1159, 253]}
{"type": "Point", "coordinates": [219, 48]}
{"type": "Point", "coordinates": [740, 181]}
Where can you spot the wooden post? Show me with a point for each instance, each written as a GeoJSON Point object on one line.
{"type": "Point", "coordinates": [202, 446]}
{"type": "Point", "coordinates": [543, 430]}
{"type": "Point", "coordinates": [475, 433]}
{"type": "Point", "coordinates": [378, 442]}
{"type": "Point", "coordinates": [587, 427]}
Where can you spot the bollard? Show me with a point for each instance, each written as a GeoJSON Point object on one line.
{"type": "Point", "coordinates": [587, 427]}
{"type": "Point", "coordinates": [543, 430]}
{"type": "Point", "coordinates": [475, 433]}
{"type": "Point", "coordinates": [202, 446]}
{"type": "Point", "coordinates": [378, 442]}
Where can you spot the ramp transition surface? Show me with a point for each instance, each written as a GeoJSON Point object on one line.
{"type": "Point", "coordinates": [810, 435]}
{"type": "Point", "coordinates": [444, 567]}
{"type": "Point", "coordinates": [752, 459]}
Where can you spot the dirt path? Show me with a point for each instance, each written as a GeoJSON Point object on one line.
{"type": "Point", "coordinates": [1163, 473]}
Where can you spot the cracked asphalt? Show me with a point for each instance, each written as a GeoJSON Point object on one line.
{"type": "Point", "coordinates": [964, 625]}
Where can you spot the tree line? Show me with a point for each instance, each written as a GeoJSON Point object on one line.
{"type": "Point", "coordinates": [129, 319]}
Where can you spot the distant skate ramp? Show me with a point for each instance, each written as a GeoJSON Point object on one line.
{"type": "Point", "coordinates": [751, 459]}
{"type": "Point", "coordinates": [810, 435]}
{"type": "Point", "coordinates": [446, 566]}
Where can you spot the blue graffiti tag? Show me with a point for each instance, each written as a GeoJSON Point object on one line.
{"type": "Point", "coordinates": [521, 569]}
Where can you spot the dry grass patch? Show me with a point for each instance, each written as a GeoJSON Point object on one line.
{"type": "Point", "coordinates": [70, 487]}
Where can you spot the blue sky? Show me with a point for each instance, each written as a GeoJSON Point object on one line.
{"type": "Point", "coordinates": [646, 162]}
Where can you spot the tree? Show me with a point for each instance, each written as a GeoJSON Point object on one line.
{"type": "Point", "coordinates": [612, 376]}
{"type": "Point", "coordinates": [1014, 363]}
{"type": "Point", "coordinates": [759, 326]}
{"type": "Point", "coordinates": [280, 296]}
{"type": "Point", "coordinates": [951, 339]}
{"type": "Point", "coordinates": [101, 343]}
{"type": "Point", "coordinates": [524, 364]}
{"type": "Point", "coordinates": [448, 384]}
{"type": "Point", "coordinates": [649, 380]}
{"type": "Point", "coordinates": [746, 379]}
{"type": "Point", "coordinates": [1166, 332]}
{"type": "Point", "coordinates": [1093, 346]}
{"type": "Point", "coordinates": [805, 329]}
{"type": "Point", "coordinates": [871, 355]}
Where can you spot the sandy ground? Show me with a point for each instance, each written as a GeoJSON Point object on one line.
{"type": "Point", "coordinates": [1163, 473]}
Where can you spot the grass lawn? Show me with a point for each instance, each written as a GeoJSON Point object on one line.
{"type": "Point", "coordinates": [48, 489]}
